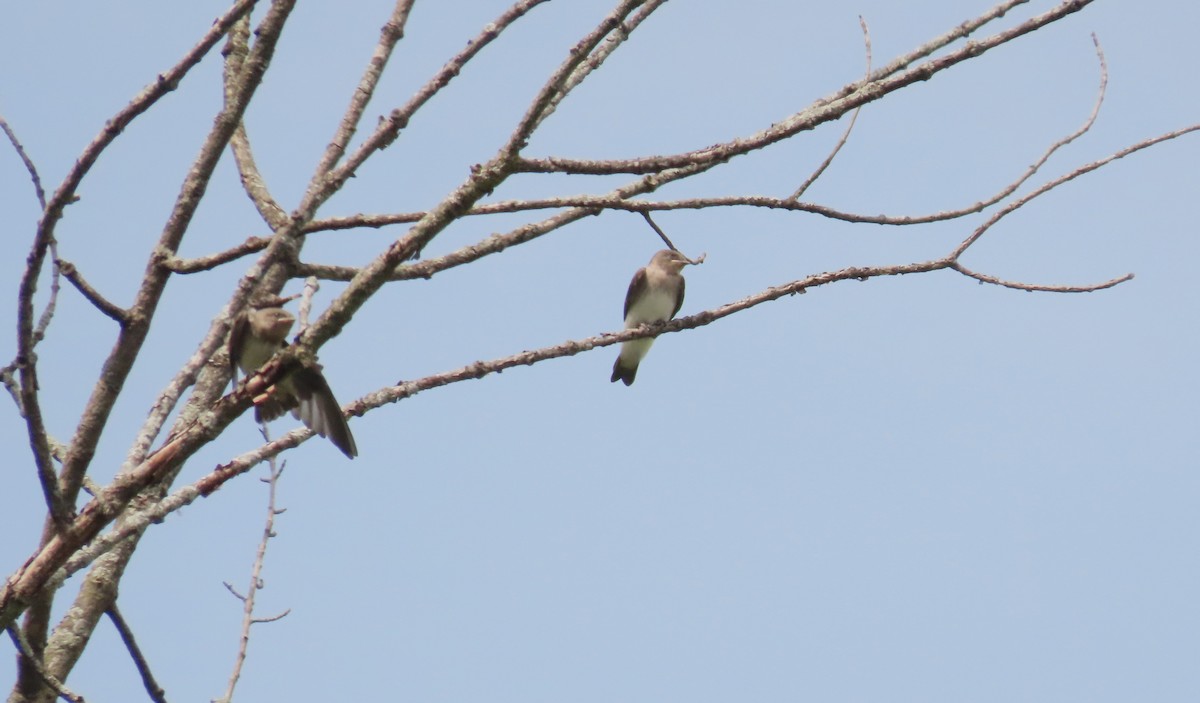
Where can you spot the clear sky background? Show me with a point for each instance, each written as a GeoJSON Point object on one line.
{"type": "Point", "coordinates": [915, 489]}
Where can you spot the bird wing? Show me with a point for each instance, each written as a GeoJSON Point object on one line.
{"type": "Point", "coordinates": [319, 410]}
{"type": "Point", "coordinates": [636, 287]}
{"type": "Point", "coordinates": [237, 337]}
{"type": "Point", "coordinates": [679, 297]}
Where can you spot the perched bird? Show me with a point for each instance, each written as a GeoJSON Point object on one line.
{"type": "Point", "coordinates": [256, 336]}
{"type": "Point", "coordinates": [655, 295]}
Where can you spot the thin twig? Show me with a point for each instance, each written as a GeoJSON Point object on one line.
{"type": "Point", "coordinates": [311, 285]}
{"type": "Point", "coordinates": [670, 244]}
{"type": "Point", "coordinates": [849, 128]}
{"type": "Point", "coordinates": [110, 309]}
{"type": "Point", "coordinates": [39, 668]}
{"type": "Point", "coordinates": [1038, 287]}
{"type": "Point", "coordinates": [237, 48]}
{"type": "Point", "coordinates": [272, 618]}
{"type": "Point", "coordinates": [253, 245]}
{"type": "Point", "coordinates": [155, 691]}
{"type": "Point", "coordinates": [33, 172]}
{"type": "Point", "coordinates": [569, 74]}
{"type": "Point", "coordinates": [658, 230]}
{"type": "Point", "coordinates": [57, 503]}
{"type": "Point", "coordinates": [256, 582]}
{"type": "Point", "coordinates": [389, 128]}
{"type": "Point", "coordinates": [620, 32]}
{"type": "Point", "coordinates": [392, 32]}
{"type": "Point", "coordinates": [39, 332]}
{"type": "Point", "coordinates": [961, 31]}
{"type": "Point", "coordinates": [39, 438]}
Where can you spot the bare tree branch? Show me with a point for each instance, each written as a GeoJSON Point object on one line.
{"type": "Point", "coordinates": [620, 32]}
{"type": "Point", "coordinates": [133, 335]}
{"type": "Point", "coordinates": [253, 245]}
{"type": "Point", "coordinates": [311, 286]}
{"type": "Point", "coordinates": [26, 391]}
{"type": "Point", "coordinates": [1051, 185]}
{"type": "Point", "coordinates": [849, 127]}
{"type": "Point", "coordinates": [1034, 287]}
{"type": "Point", "coordinates": [155, 691]}
{"type": "Point", "coordinates": [619, 202]}
{"type": "Point", "coordinates": [142, 494]}
{"type": "Point", "coordinates": [824, 110]}
{"type": "Point", "coordinates": [237, 48]}
{"type": "Point", "coordinates": [397, 120]}
{"type": "Point", "coordinates": [98, 590]}
{"type": "Point", "coordinates": [491, 245]}
{"type": "Point", "coordinates": [256, 582]}
{"type": "Point", "coordinates": [483, 180]}
{"type": "Point", "coordinates": [392, 32]}
{"type": "Point", "coordinates": [962, 31]}
{"type": "Point", "coordinates": [111, 310]}
{"type": "Point", "coordinates": [663, 236]}
{"type": "Point", "coordinates": [28, 656]}
{"type": "Point", "coordinates": [65, 194]}
{"type": "Point", "coordinates": [33, 172]}
{"type": "Point", "coordinates": [571, 73]}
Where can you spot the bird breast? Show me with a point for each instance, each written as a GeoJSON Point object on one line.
{"type": "Point", "coordinates": [656, 305]}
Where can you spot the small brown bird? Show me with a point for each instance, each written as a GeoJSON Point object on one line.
{"type": "Point", "coordinates": [655, 295]}
{"type": "Point", "coordinates": [256, 336]}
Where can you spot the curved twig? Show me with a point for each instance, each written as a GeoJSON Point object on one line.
{"type": "Point", "coordinates": [253, 245]}
{"type": "Point", "coordinates": [237, 48]}
{"type": "Point", "coordinates": [93, 296]}
{"type": "Point", "coordinates": [1039, 287]}
{"type": "Point", "coordinates": [153, 689]}
{"type": "Point", "coordinates": [1072, 175]}
{"type": "Point", "coordinates": [849, 128]}
{"type": "Point", "coordinates": [29, 166]}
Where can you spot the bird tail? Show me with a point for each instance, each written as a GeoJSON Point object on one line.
{"type": "Point", "coordinates": [623, 372]}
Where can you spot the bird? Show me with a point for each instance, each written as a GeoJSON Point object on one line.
{"type": "Point", "coordinates": [256, 336]}
{"type": "Point", "coordinates": [655, 295]}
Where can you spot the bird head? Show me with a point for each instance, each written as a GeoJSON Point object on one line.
{"type": "Point", "coordinates": [670, 260]}
{"type": "Point", "coordinates": [271, 324]}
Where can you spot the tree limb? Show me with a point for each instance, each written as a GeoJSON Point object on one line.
{"type": "Point", "coordinates": [155, 691]}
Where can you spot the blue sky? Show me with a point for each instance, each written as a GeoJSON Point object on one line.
{"type": "Point", "coordinates": [912, 489]}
